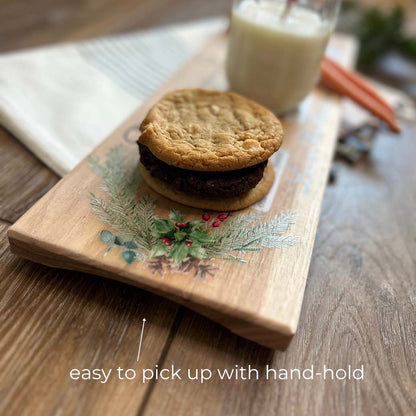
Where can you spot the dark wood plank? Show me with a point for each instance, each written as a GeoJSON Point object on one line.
{"type": "Point", "coordinates": [23, 178]}
{"type": "Point", "coordinates": [27, 23]}
{"type": "Point", "coordinates": [53, 321]}
{"type": "Point", "coordinates": [359, 308]}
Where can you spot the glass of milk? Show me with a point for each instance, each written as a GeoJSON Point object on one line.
{"type": "Point", "coordinates": [275, 49]}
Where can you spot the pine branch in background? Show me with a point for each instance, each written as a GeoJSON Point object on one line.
{"type": "Point", "coordinates": [379, 32]}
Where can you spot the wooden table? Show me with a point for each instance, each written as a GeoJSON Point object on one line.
{"type": "Point", "coordinates": [359, 307]}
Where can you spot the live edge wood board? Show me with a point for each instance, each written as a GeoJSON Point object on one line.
{"type": "Point", "coordinates": [259, 299]}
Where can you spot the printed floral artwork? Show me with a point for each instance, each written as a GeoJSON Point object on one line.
{"type": "Point", "coordinates": [175, 243]}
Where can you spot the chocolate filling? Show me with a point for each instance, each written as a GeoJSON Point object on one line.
{"type": "Point", "coordinates": [211, 184]}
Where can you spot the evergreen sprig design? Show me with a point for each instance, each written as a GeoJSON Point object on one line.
{"type": "Point", "coordinates": [247, 233]}
{"type": "Point", "coordinates": [133, 219]}
{"type": "Point", "coordinates": [174, 243]}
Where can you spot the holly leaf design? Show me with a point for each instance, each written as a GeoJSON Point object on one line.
{"type": "Point", "coordinates": [176, 216]}
{"type": "Point", "coordinates": [107, 237]}
{"type": "Point", "coordinates": [128, 256]}
{"type": "Point", "coordinates": [180, 235]}
{"type": "Point", "coordinates": [163, 227]}
{"type": "Point", "coordinates": [158, 250]}
{"type": "Point", "coordinates": [179, 252]}
{"type": "Point", "coordinates": [195, 224]}
{"type": "Point", "coordinates": [198, 252]}
{"type": "Point", "coordinates": [199, 236]}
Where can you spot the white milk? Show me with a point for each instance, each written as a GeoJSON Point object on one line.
{"type": "Point", "coordinates": [273, 60]}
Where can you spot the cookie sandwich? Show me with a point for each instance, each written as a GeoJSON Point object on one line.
{"type": "Point", "coordinates": [209, 149]}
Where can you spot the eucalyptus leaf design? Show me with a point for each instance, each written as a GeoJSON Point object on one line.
{"type": "Point", "coordinates": [174, 243]}
{"type": "Point", "coordinates": [128, 256]}
{"type": "Point", "coordinates": [107, 237]}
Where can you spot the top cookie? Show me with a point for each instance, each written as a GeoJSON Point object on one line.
{"type": "Point", "coordinates": [206, 130]}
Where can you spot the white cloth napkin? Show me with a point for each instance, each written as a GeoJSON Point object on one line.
{"type": "Point", "coordinates": [61, 101]}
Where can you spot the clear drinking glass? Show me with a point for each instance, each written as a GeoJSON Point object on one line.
{"type": "Point", "coordinates": [275, 48]}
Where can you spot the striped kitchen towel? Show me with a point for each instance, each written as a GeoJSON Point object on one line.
{"type": "Point", "coordinates": [61, 101]}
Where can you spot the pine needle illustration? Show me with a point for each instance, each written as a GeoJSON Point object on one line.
{"type": "Point", "coordinates": [134, 220]}
{"type": "Point", "coordinates": [246, 233]}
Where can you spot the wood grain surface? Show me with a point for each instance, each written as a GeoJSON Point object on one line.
{"type": "Point", "coordinates": [359, 304]}
{"type": "Point", "coordinates": [27, 23]}
{"type": "Point", "coordinates": [23, 178]}
{"type": "Point", "coordinates": [41, 307]}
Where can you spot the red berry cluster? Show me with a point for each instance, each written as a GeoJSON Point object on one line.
{"type": "Point", "coordinates": [218, 220]}
{"type": "Point", "coordinates": [206, 216]}
{"type": "Point", "coordinates": [223, 216]}
{"type": "Point", "coordinates": [166, 241]}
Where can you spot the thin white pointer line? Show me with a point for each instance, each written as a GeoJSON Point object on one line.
{"type": "Point", "coordinates": [141, 337]}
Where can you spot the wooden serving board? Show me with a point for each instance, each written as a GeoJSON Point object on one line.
{"type": "Point", "coordinates": [259, 299]}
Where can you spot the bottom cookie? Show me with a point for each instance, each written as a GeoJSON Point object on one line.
{"type": "Point", "coordinates": [223, 204]}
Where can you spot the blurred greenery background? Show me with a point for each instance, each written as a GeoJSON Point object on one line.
{"type": "Point", "coordinates": [387, 34]}
{"type": "Point", "coordinates": [379, 31]}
